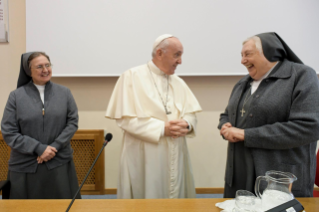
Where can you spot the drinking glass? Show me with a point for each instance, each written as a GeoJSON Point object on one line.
{"type": "Point", "coordinates": [245, 201]}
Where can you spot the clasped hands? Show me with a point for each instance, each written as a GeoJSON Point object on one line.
{"type": "Point", "coordinates": [231, 133]}
{"type": "Point", "coordinates": [47, 155]}
{"type": "Point", "coordinates": [176, 128]}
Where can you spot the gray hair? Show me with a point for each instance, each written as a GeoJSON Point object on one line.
{"type": "Point", "coordinates": [35, 55]}
{"type": "Point", "coordinates": [163, 45]}
{"type": "Point", "coordinates": [257, 43]}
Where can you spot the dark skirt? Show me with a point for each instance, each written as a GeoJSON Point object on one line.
{"type": "Point", "coordinates": [243, 171]}
{"type": "Point", "coordinates": [58, 183]}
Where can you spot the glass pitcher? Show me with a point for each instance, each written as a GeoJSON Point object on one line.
{"type": "Point", "coordinates": [278, 190]}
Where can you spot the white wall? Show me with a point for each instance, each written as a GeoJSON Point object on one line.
{"type": "Point", "coordinates": [120, 34]}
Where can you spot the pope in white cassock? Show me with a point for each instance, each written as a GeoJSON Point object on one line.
{"type": "Point", "coordinates": [156, 110]}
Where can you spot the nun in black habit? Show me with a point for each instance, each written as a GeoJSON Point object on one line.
{"type": "Point", "coordinates": [271, 121]}
{"type": "Point", "coordinates": [39, 120]}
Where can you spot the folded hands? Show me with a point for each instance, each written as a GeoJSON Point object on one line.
{"type": "Point", "coordinates": [231, 133]}
{"type": "Point", "coordinates": [47, 155]}
{"type": "Point", "coordinates": [176, 128]}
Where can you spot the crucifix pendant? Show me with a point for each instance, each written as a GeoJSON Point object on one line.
{"type": "Point", "coordinates": [167, 112]}
{"type": "Point", "coordinates": [242, 112]}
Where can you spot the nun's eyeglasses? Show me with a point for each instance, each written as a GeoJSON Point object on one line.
{"type": "Point", "coordinates": [41, 67]}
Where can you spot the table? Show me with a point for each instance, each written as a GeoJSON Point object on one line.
{"type": "Point", "coordinates": [139, 205]}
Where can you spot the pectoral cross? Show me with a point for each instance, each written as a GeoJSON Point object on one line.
{"type": "Point", "coordinates": [242, 112]}
{"type": "Point", "coordinates": [167, 112]}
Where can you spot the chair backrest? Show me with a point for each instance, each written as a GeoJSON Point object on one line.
{"type": "Point", "coordinates": [316, 193]}
{"type": "Point", "coordinates": [86, 145]}
{"type": "Point", "coordinates": [317, 170]}
{"type": "Point", "coordinates": [4, 158]}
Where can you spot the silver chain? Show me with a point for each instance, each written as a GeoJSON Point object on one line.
{"type": "Point", "coordinates": [164, 104]}
{"type": "Point", "coordinates": [245, 101]}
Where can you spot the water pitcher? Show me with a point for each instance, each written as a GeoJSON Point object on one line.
{"type": "Point", "coordinates": [278, 190]}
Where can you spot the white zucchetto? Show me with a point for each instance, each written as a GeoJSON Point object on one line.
{"type": "Point", "coordinates": [160, 39]}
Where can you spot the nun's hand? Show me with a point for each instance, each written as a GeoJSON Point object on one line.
{"type": "Point", "coordinates": [233, 134]}
{"type": "Point", "coordinates": [39, 160]}
{"type": "Point", "coordinates": [48, 153]}
{"type": "Point", "coordinates": [224, 127]}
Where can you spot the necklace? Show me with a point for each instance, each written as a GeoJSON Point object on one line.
{"type": "Point", "coordinates": [164, 104]}
{"type": "Point", "coordinates": [245, 100]}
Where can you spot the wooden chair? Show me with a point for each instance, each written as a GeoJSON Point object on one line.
{"type": "Point", "coordinates": [86, 145]}
{"type": "Point", "coordinates": [316, 193]}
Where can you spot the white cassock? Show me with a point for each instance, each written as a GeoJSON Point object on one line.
{"type": "Point", "coordinates": [151, 165]}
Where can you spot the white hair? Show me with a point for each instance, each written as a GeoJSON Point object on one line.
{"type": "Point", "coordinates": [163, 45]}
{"type": "Point", "coordinates": [257, 43]}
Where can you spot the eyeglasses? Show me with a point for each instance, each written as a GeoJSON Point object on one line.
{"type": "Point", "coordinates": [41, 67]}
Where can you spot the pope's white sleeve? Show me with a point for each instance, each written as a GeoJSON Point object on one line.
{"type": "Point", "coordinates": [191, 119]}
{"type": "Point", "coordinates": [146, 129]}
{"type": "Point", "coordinates": [189, 125]}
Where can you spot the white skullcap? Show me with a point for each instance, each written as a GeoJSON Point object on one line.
{"type": "Point", "coordinates": [160, 39]}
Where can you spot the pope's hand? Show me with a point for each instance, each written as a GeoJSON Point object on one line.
{"type": "Point", "coordinates": [176, 128]}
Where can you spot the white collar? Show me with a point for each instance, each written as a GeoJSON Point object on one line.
{"type": "Point", "coordinates": [255, 83]}
{"type": "Point", "coordinates": [40, 87]}
{"type": "Point", "coordinates": [155, 69]}
{"type": "Point", "coordinates": [268, 72]}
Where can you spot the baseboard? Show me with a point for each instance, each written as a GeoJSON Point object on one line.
{"type": "Point", "coordinates": [110, 191]}
{"type": "Point", "coordinates": [198, 191]}
{"type": "Point", "coordinates": [210, 190]}
{"type": "Point", "coordinates": [85, 192]}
